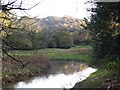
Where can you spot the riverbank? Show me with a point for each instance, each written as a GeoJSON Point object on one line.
{"type": "Point", "coordinates": [13, 72]}
{"type": "Point", "coordinates": [106, 77]}
{"type": "Point", "coordinates": [40, 61]}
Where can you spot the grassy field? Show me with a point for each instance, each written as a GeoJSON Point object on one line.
{"type": "Point", "coordinates": [78, 53]}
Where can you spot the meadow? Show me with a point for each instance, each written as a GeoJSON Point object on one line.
{"type": "Point", "coordinates": [78, 53]}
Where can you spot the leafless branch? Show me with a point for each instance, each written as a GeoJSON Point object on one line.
{"type": "Point", "coordinates": [10, 3]}
{"type": "Point", "coordinates": [23, 65]}
{"type": "Point", "coordinates": [7, 44]}
{"type": "Point", "coordinates": [33, 6]}
{"type": "Point", "coordinates": [6, 8]}
{"type": "Point", "coordinates": [11, 6]}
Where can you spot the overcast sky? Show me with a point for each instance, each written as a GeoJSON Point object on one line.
{"type": "Point", "coordinates": [74, 8]}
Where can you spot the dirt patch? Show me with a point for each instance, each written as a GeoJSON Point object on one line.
{"type": "Point", "coordinates": [82, 50]}
{"type": "Point", "coordinates": [111, 83]}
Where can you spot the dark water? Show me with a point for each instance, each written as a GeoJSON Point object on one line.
{"type": "Point", "coordinates": [62, 74]}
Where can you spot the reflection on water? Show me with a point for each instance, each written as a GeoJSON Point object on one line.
{"type": "Point", "coordinates": [57, 80]}
{"type": "Point", "coordinates": [61, 75]}
{"type": "Point", "coordinates": [71, 68]}
{"type": "Point", "coordinates": [67, 67]}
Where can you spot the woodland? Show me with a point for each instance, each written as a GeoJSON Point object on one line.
{"type": "Point", "coordinates": [95, 42]}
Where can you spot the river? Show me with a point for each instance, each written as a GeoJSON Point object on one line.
{"type": "Point", "coordinates": [62, 74]}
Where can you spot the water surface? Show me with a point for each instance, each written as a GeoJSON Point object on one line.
{"type": "Point", "coordinates": [62, 74]}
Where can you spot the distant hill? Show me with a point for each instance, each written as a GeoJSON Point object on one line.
{"type": "Point", "coordinates": [62, 23]}
{"type": "Point", "coordinates": [53, 23]}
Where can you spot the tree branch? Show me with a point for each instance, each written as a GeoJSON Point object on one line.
{"type": "Point", "coordinates": [11, 6]}
{"type": "Point", "coordinates": [23, 65]}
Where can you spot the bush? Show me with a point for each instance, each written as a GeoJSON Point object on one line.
{"type": "Point", "coordinates": [20, 42]}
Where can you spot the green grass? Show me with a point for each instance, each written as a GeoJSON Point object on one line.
{"type": "Point", "coordinates": [26, 53]}
{"type": "Point", "coordinates": [71, 56]}
{"type": "Point", "coordinates": [107, 71]}
{"type": "Point", "coordinates": [82, 46]}
{"type": "Point", "coordinates": [56, 54]}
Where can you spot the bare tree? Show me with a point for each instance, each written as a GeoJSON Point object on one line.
{"type": "Point", "coordinates": [5, 9]}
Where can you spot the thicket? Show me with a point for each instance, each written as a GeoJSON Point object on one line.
{"type": "Point", "coordinates": [105, 31]}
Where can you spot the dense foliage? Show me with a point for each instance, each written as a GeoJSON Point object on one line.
{"type": "Point", "coordinates": [28, 33]}
{"type": "Point", "coordinates": [105, 30]}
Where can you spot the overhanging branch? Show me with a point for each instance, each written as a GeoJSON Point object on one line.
{"type": "Point", "coordinates": [11, 6]}
{"type": "Point", "coordinates": [23, 65]}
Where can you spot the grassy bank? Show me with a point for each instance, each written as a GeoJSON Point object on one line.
{"type": "Point", "coordinates": [13, 72]}
{"type": "Point", "coordinates": [40, 61]}
{"type": "Point", "coordinates": [107, 76]}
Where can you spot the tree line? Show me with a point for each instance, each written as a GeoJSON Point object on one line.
{"type": "Point", "coordinates": [28, 36]}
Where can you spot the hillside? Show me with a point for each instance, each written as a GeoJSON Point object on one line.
{"type": "Point", "coordinates": [53, 23]}
{"type": "Point", "coordinates": [63, 23]}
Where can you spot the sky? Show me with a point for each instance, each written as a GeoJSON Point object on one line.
{"type": "Point", "coordinates": [60, 8]}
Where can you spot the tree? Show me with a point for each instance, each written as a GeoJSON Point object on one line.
{"type": "Point", "coordinates": [82, 37]}
{"type": "Point", "coordinates": [7, 19]}
{"type": "Point", "coordinates": [63, 39]}
{"type": "Point", "coordinates": [66, 40]}
{"type": "Point", "coordinates": [19, 42]}
{"type": "Point", "coordinates": [105, 30]}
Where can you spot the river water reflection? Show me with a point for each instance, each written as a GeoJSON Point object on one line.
{"type": "Point", "coordinates": [62, 74]}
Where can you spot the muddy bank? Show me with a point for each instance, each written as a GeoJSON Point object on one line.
{"type": "Point", "coordinates": [12, 71]}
